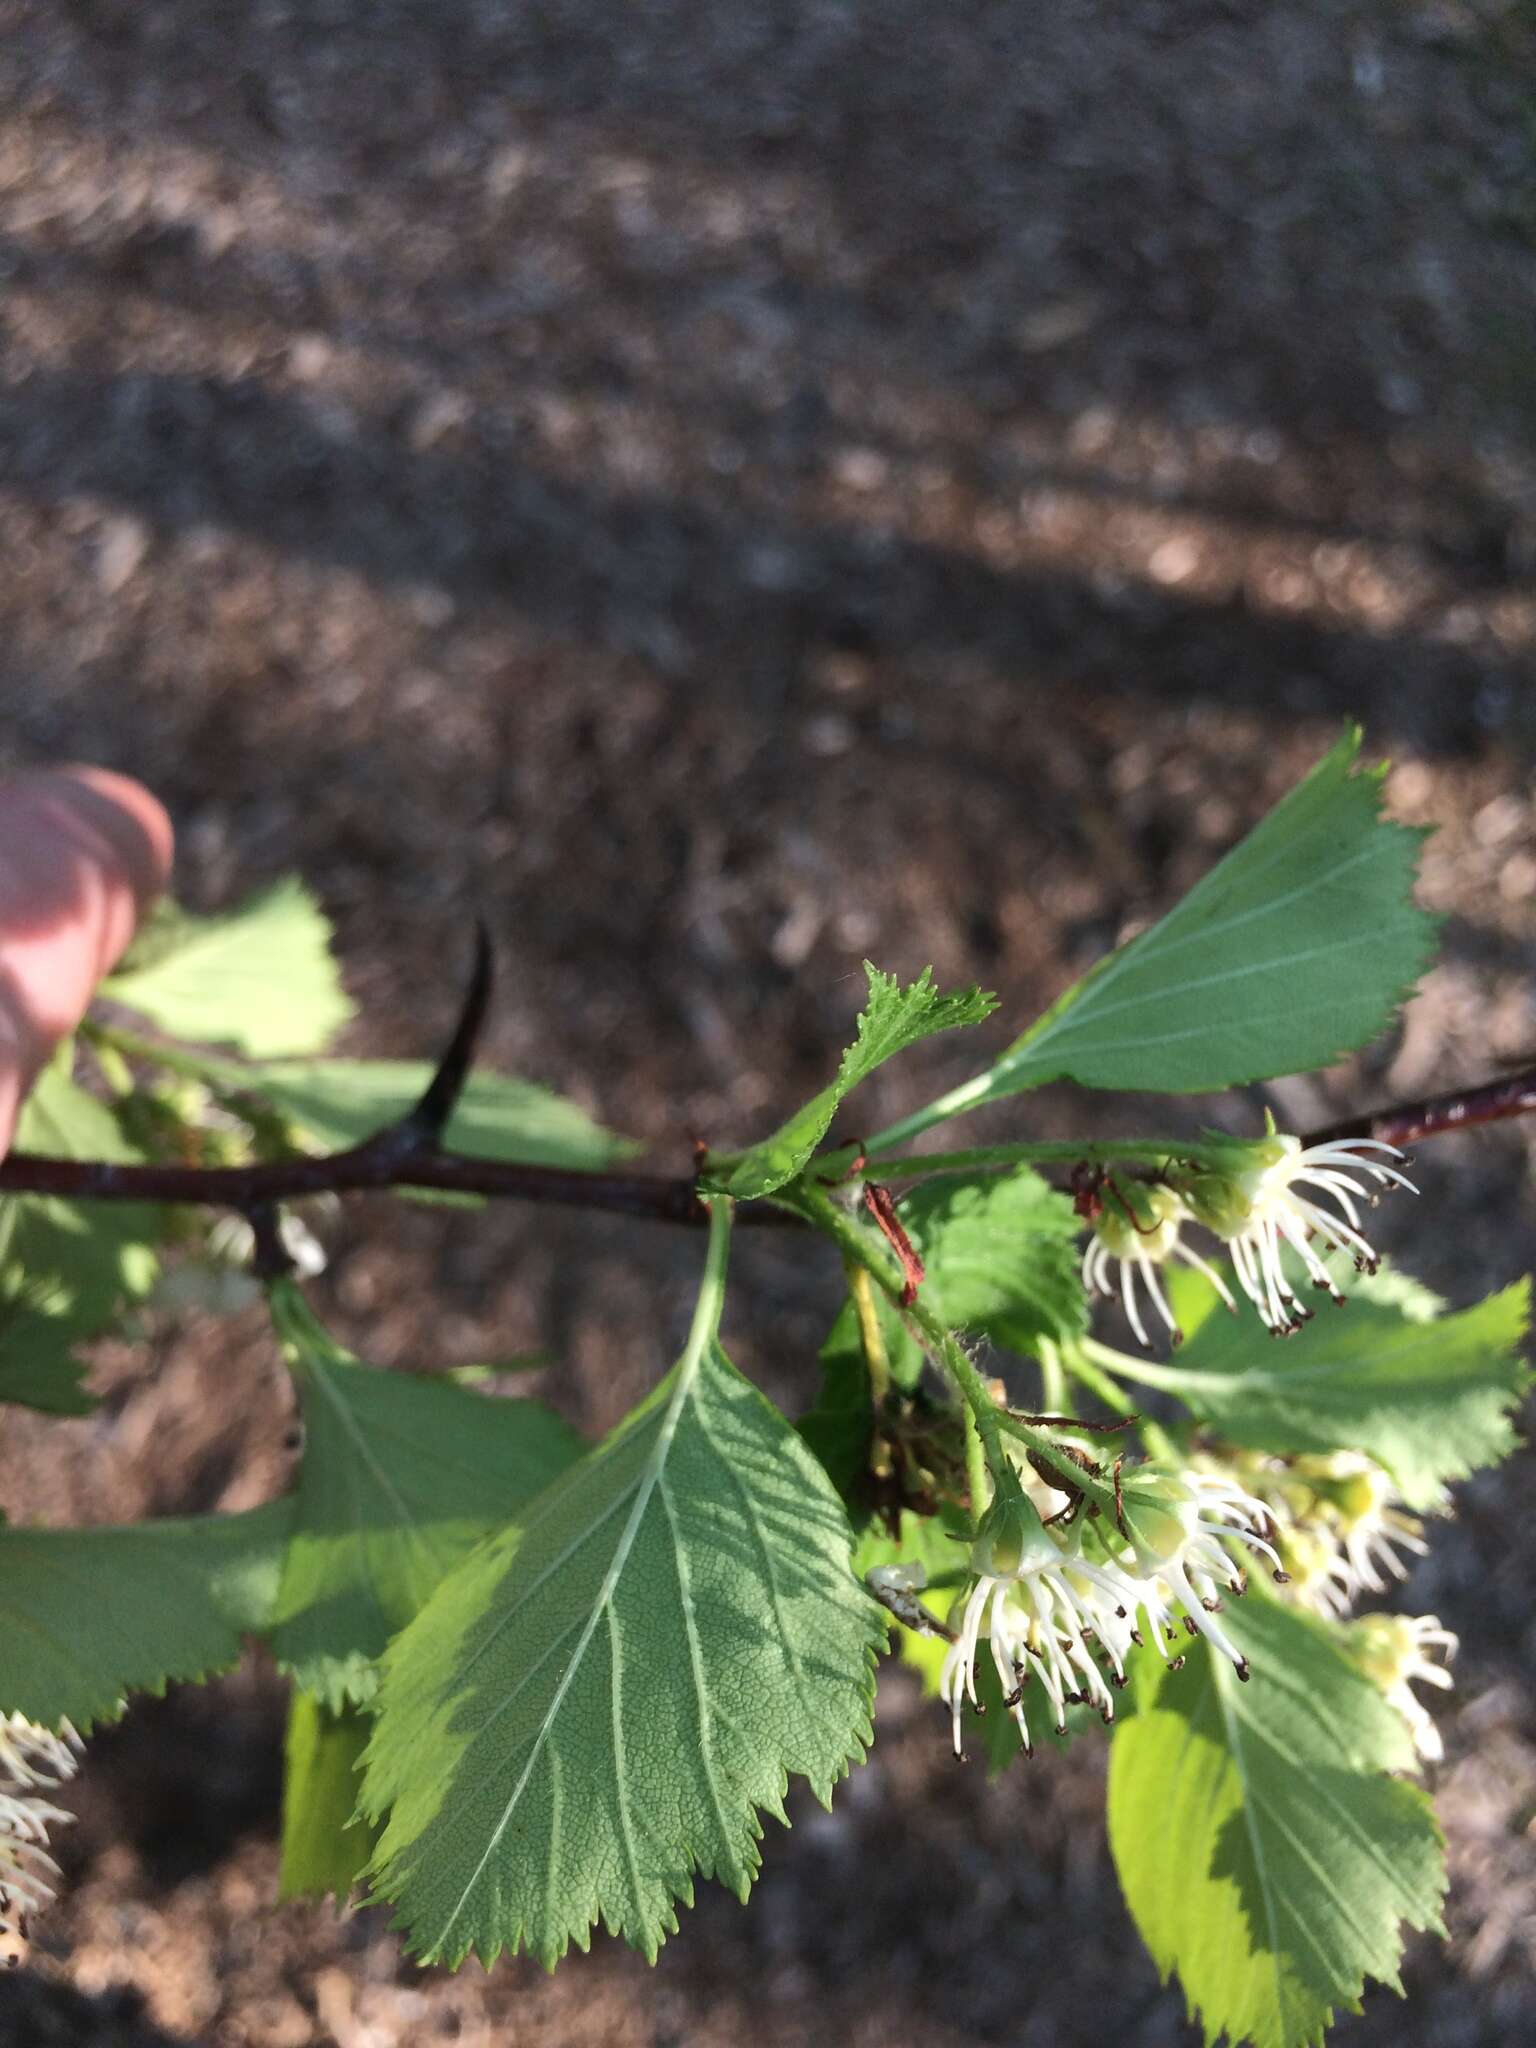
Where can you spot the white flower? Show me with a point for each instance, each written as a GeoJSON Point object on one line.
{"type": "Point", "coordinates": [30, 1757]}
{"type": "Point", "coordinates": [1396, 1652]}
{"type": "Point", "coordinates": [1041, 1607]}
{"type": "Point", "coordinates": [1259, 1207]}
{"type": "Point", "coordinates": [1344, 1524]}
{"type": "Point", "coordinates": [1179, 1548]}
{"type": "Point", "coordinates": [1371, 1525]}
{"type": "Point", "coordinates": [1138, 1230]}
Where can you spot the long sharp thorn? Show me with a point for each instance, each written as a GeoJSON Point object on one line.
{"type": "Point", "coordinates": [424, 1124]}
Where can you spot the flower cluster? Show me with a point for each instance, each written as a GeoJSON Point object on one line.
{"type": "Point", "coordinates": [1343, 1526]}
{"type": "Point", "coordinates": [1056, 1615]}
{"type": "Point", "coordinates": [1342, 1531]}
{"type": "Point", "coordinates": [30, 1758]}
{"type": "Point", "coordinates": [1396, 1652]}
{"type": "Point", "coordinates": [1261, 1198]}
{"type": "Point", "coordinates": [1138, 1231]}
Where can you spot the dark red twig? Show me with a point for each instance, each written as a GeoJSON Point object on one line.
{"type": "Point", "coordinates": [363, 1168]}
{"type": "Point", "coordinates": [1457, 1110]}
{"type": "Point", "coordinates": [384, 1162]}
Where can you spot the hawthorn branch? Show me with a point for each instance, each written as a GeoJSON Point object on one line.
{"type": "Point", "coordinates": [409, 1153]}
{"type": "Point", "coordinates": [375, 1166]}
{"type": "Point", "coordinates": [1459, 1109]}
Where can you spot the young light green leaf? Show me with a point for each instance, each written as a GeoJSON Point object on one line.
{"type": "Point", "coordinates": [400, 1477]}
{"type": "Point", "coordinates": [341, 1102]}
{"type": "Point", "coordinates": [1429, 1397]}
{"type": "Point", "coordinates": [89, 1614]}
{"type": "Point", "coordinates": [326, 1845]}
{"type": "Point", "coordinates": [1264, 1854]}
{"type": "Point", "coordinates": [893, 1018]}
{"type": "Point", "coordinates": [260, 977]}
{"type": "Point", "coordinates": [1000, 1259]}
{"type": "Point", "coordinates": [1295, 949]}
{"type": "Point", "coordinates": [598, 1705]}
{"type": "Point", "coordinates": [66, 1268]}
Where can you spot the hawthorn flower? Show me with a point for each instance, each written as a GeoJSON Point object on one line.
{"type": "Point", "coordinates": [1370, 1525]}
{"type": "Point", "coordinates": [1181, 1558]}
{"type": "Point", "coordinates": [1342, 1526]}
{"type": "Point", "coordinates": [1258, 1207]}
{"type": "Point", "coordinates": [30, 1757]}
{"type": "Point", "coordinates": [1138, 1230]}
{"type": "Point", "coordinates": [1396, 1652]}
{"type": "Point", "coordinates": [1041, 1606]}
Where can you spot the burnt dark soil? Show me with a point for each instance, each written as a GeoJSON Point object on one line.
{"type": "Point", "coordinates": [722, 492]}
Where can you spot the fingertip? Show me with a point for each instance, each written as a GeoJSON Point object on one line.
{"type": "Point", "coordinates": [93, 846]}
{"type": "Point", "coordinates": [83, 854]}
{"type": "Point", "coordinates": [133, 822]}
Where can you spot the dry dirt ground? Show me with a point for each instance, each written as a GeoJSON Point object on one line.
{"type": "Point", "coordinates": [723, 491]}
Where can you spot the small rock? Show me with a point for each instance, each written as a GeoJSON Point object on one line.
{"type": "Point", "coordinates": [120, 550]}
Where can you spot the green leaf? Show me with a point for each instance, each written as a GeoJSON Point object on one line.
{"type": "Point", "coordinates": [260, 978]}
{"type": "Point", "coordinates": [66, 1268]}
{"type": "Point", "coordinates": [341, 1102]}
{"type": "Point", "coordinates": [1264, 1854]}
{"type": "Point", "coordinates": [1293, 951]}
{"type": "Point", "coordinates": [1427, 1396]}
{"type": "Point", "coordinates": [89, 1614]}
{"type": "Point", "coordinates": [598, 1704]}
{"type": "Point", "coordinates": [838, 1429]}
{"type": "Point", "coordinates": [326, 1845]}
{"type": "Point", "coordinates": [893, 1018]}
{"type": "Point", "coordinates": [400, 1476]}
{"type": "Point", "coordinates": [1001, 1261]}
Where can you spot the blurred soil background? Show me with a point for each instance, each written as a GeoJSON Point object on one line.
{"type": "Point", "coordinates": [723, 491]}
